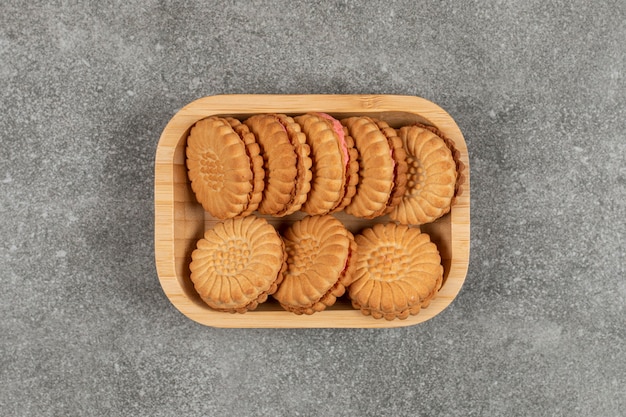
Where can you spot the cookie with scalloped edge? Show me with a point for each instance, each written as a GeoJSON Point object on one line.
{"type": "Point", "coordinates": [238, 264]}
{"type": "Point", "coordinates": [398, 271]}
{"type": "Point", "coordinates": [400, 165]}
{"type": "Point", "coordinates": [321, 258]}
{"type": "Point", "coordinates": [335, 164]}
{"type": "Point", "coordinates": [382, 167]}
{"type": "Point", "coordinates": [432, 177]}
{"type": "Point", "coordinates": [256, 164]}
{"type": "Point", "coordinates": [224, 167]}
{"type": "Point", "coordinates": [286, 162]}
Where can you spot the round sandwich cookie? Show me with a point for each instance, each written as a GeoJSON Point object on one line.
{"type": "Point", "coordinates": [382, 167]}
{"type": "Point", "coordinates": [225, 167]}
{"type": "Point", "coordinates": [256, 164]}
{"type": "Point", "coordinates": [286, 162]}
{"type": "Point", "coordinates": [432, 176]}
{"type": "Point", "coordinates": [398, 271]}
{"type": "Point", "coordinates": [238, 264]}
{"type": "Point", "coordinates": [335, 164]}
{"type": "Point", "coordinates": [321, 258]}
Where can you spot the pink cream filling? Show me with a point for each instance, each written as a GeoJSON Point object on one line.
{"type": "Point", "coordinates": [338, 128]}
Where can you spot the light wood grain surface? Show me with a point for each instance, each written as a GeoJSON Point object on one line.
{"type": "Point", "coordinates": [180, 221]}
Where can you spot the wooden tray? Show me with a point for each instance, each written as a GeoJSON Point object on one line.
{"type": "Point", "coordinates": [180, 221]}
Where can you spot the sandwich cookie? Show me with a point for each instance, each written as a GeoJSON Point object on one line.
{"type": "Point", "coordinates": [382, 167]}
{"type": "Point", "coordinates": [225, 167]}
{"type": "Point", "coordinates": [321, 258]}
{"type": "Point", "coordinates": [335, 164]}
{"type": "Point", "coordinates": [238, 264]}
{"type": "Point", "coordinates": [286, 162]}
{"type": "Point", "coordinates": [432, 176]}
{"type": "Point", "coordinates": [398, 271]}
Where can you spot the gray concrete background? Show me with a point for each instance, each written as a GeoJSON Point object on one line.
{"type": "Point", "coordinates": [538, 89]}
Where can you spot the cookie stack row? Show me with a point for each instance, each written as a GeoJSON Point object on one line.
{"type": "Point", "coordinates": [390, 271]}
{"type": "Point", "coordinates": [276, 165]}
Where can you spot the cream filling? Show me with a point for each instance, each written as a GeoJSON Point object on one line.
{"type": "Point", "coordinates": [343, 145]}
{"type": "Point", "coordinates": [338, 128]}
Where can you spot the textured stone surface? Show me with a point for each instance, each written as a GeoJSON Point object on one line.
{"type": "Point", "coordinates": [538, 89]}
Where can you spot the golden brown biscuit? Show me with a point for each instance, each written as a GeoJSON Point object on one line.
{"type": "Point", "coordinates": [456, 155]}
{"type": "Point", "coordinates": [223, 166]}
{"type": "Point", "coordinates": [286, 161]}
{"type": "Point", "coordinates": [321, 257]}
{"type": "Point", "coordinates": [432, 177]}
{"type": "Point", "coordinates": [400, 166]}
{"type": "Point", "coordinates": [238, 264]}
{"type": "Point", "coordinates": [382, 167]}
{"type": "Point", "coordinates": [335, 164]}
{"type": "Point", "coordinates": [398, 271]}
{"type": "Point", "coordinates": [256, 164]}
